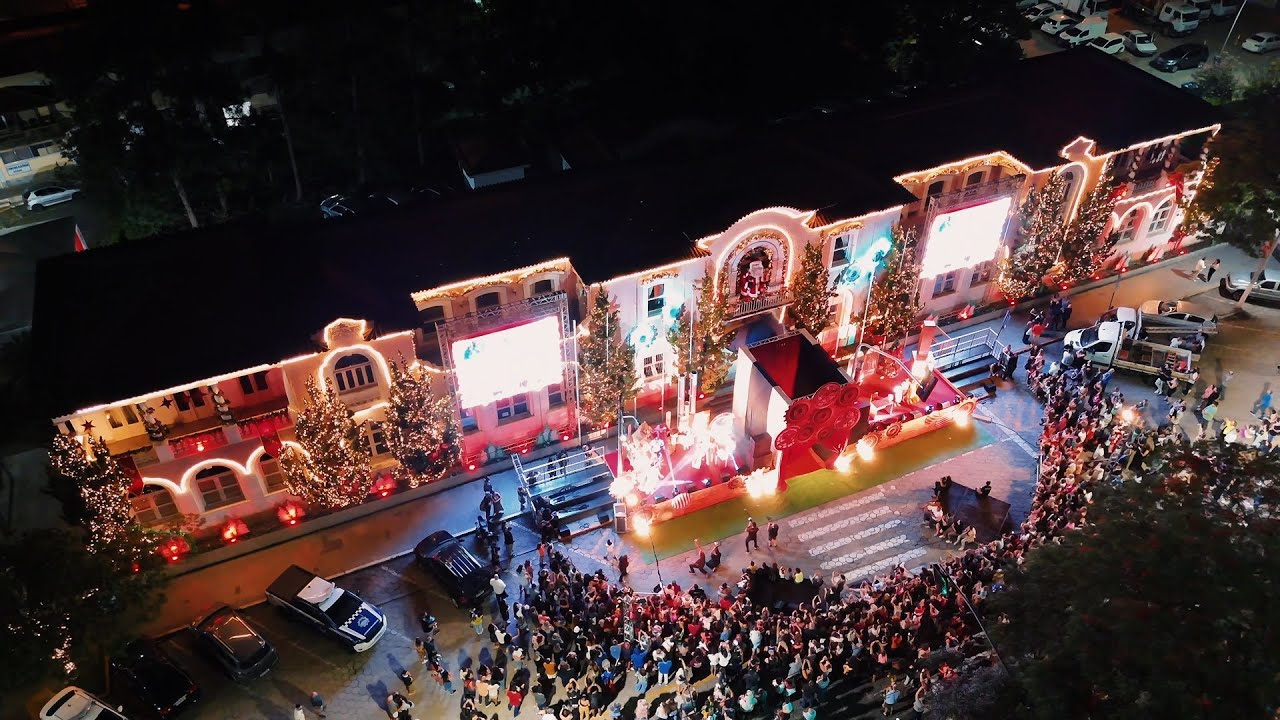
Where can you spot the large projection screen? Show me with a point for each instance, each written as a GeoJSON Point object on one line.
{"type": "Point", "coordinates": [963, 238]}
{"type": "Point", "coordinates": [508, 362]}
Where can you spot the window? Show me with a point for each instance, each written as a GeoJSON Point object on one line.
{"type": "Point", "coordinates": [656, 300]}
{"type": "Point", "coordinates": [945, 284]}
{"type": "Point", "coordinates": [197, 397]}
{"type": "Point", "coordinates": [513, 407]}
{"type": "Point", "coordinates": [130, 416]}
{"type": "Point", "coordinates": [218, 487]}
{"type": "Point", "coordinates": [555, 395]}
{"type": "Point", "coordinates": [352, 373]}
{"type": "Point", "coordinates": [153, 505]}
{"type": "Point", "coordinates": [840, 252]}
{"type": "Point", "coordinates": [469, 423]}
{"type": "Point", "coordinates": [936, 188]}
{"type": "Point", "coordinates": [654, 366]}
{"type": "Point", "coordinates": [430, 316]}
{"type": "Point", "coordinates": [1160, 221]}
{"type": "Point", "coordinates": [250, 384]}
{"type": "Point", "coordinates": [1156, 154]}
{"type": "Point", "coordinates": [542, 287]}
{"type": "Point", "coordinates": [271, 474]}
{"type": "Point", "coordinates": [488, 300]}
{"type": "Point", "coordinates": [113, 418]}
{"type": "Point", "coordinates": [376, 436]}
{"type": "Point", "coordinates": [180, 399]}
{"type": "Point", "coordinates": [982, 273]}
{"type": "Point", "coordinates": [975, 179]}
{"type": "Point", "coordinates": [1128, 228]}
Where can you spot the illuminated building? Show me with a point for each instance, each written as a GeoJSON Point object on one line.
{"type": "Point", "coordinates": [243, 308]}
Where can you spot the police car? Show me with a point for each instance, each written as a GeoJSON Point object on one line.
{"type": "Point", "coordinates": [338, 613]}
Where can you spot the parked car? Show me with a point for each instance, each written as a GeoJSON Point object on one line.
{"type": "Point", "coordinates": [1266, 291]}
{"type": "Point", "coordinates": [1140, 43]}
{"type": "Point", "coordinates": [1223, 9]}
{"type": "Point", "coordinates": [42, 197]}
{"type": "Point", "coordinates": [336, 206]}
{"type": "Point", "coordinates": [1109, 43]}
{"type": "Point", "coordinates": [1184, 57]}
{"type": "Point", "coordinates": [229, 640]}
{"type": "Point", "coordinates": [1056, 23]}
{"type": "Point", "coordinates": [463, 575]}
{"type": "Point", "coordinates": [72, 703]}
{"type": "Point", "coordinates": [1180, 313]}
{"type": "Point", "coordinates": [1041, 11]}
{"type": "Point", "coordinates": [338, 613]}
{"type": "Point", "coordinates": [1083, 31]}
{"type": "Point", "coordinates": [1193, 87]}
{"type": "Point", "coordinates": [1179, 20]}
{"type": "Point", "coordinates": [152, 680]}
{"type": "Point", "coordinates": [1263, 42]}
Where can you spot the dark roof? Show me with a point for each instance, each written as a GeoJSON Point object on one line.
{"type": "Point", "coordinates": [796, 366]}
{"type": "Point", "coordinates": [16, 98]}
{"type": "Point", "coordinates": [212, 301]}
{"type": "Point", "coordinates": [20, 251]}
{"type": "Point", "coordinates": [490, 148]}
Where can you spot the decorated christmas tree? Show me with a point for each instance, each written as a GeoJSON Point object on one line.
{"type": "Point", "coordinates": [422, 431]}
{"type": "Point", "coordinates": [811, 293]}
{"type": "Point", "coordinates": [708, 352]}
{"type": "Point", "coordinates": [332, 468]}
{"type": "Point", "coordinates": [606, 364]}
{"type": "Point", "coordinates": [1023, 272]}
{"type": "Point", "coordinates": [102, 488]}
{"type": "Point", "coordinates": [894, 308]}
{"type": "Point", "coordinates": [1084, 248]}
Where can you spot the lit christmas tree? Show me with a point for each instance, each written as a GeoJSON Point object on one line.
{"type": "Point", "coordinates": [421, 428]}
{"type": "Point", "coordinates": [1084, 249]}
{"type": "Point", "coordinates": [1023, 272]}
{"type": "Point", "coordinates": [894, 308]}
{"type": "Point", "coordinates": [103, 488]}
{"type": "Point", "coordinates": [606, 365]}
{"type": "Point", "coordinates": [332, 468]}
{"type": "Point", "coordinates": [811, 293]}
{"type": "Point", "coordinates": [711, 358]}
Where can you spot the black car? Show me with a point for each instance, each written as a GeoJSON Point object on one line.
{"type": "Point", "coordinates": [1183, 57]}
{"type": "Point", "coordinates": [151, 681]}
{"type": "Point", "coordinates": [464, 576]}
{"type": "Point", "coordinates": [228, 638]}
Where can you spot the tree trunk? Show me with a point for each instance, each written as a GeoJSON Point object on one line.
{"type": "Point", "coordinates": [1262, 265]}
{"type": "Point", "coordinates": [182, 195]}
{"type": "Point", "coordinates": [222, 200]}
{"type": "Point", "coordinates": [288, 144]}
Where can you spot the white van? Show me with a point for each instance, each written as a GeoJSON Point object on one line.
{"type": "Point", "coordinates": [1083, 31]}
{"type": "Point", "coordinates": [72, 703]}
{"type": "Point", "coordinates": [1179, 20]}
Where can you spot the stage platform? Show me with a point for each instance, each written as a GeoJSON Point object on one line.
{"type": "Point", "coordinates": [989, 515]}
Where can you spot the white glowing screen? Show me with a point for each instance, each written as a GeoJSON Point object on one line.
{"type": "Point", "coordinates": [508, 362]}
{"type": "Point", "coordinates": [965, 237]}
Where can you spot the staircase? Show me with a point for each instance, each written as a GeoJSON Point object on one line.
{"type": "Point", "coordinates": [965, 360]}
{"type": "Point", "coordinates": [575, 488]}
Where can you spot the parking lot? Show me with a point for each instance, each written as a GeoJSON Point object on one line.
{"type": "Point", "coordinates": [1255, 18]}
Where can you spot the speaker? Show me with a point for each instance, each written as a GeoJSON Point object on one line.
{"type": "Point", "coordinates": [620, 524]}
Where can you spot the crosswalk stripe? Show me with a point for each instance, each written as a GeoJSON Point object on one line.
{"type": "Point", "coordinates": [866, 552]}
{"type": "Point", "coordinates": [842, 524]}
{"type": "Point", "coordinates": [878, 566]}
{"type": "Point", "coordinates": [836, 510]}
{"type": "Point", "coordinates": [860, 535]}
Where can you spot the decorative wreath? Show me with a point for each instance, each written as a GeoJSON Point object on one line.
{"type": "Point", "coordinates": [848, 419]}
{"type": "Point", "coordinates": [822, 416]}
{"type": "Point", "coordinates": [786, 439]}
{"type": "Point", "coordinates": [848, 395]}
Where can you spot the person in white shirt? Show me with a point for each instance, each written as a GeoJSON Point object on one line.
{"type": "Point", "coordinates": [499, 587]}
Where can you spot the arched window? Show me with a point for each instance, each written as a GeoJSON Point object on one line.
{"type": "Point", "coordinates": [840, 252]}
{"type": "Point", "coordinates": [218, 487]}
{"type": "Point", "coordinates": [488, 300]}
{"type": "Point", "coordinates": [544, 286]}
{"type": "Point", "coordinates": [352, 373]}
{"type": "Point", "coordinates": [936, 188]}
{"type": "Point", "coordinates": [1128, 227]}
{"type": "Point", "coordinates": [1160, 220]}
{"type": "Point", "coordinates": [153, 505]}
{"type": "Point", "coordinates": [272, 476]}
{"type": "Point", "coordinates": [975, 179]}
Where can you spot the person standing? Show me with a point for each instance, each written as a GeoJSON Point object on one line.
{"type": "Point", "coordinates": [753, 532]}
{"type": "Point", "coordinates": [317, 704]}
{"type": "Point", "coordinates": [407, 679]}
{"type": "Point", "coordinates": [1199, 271]}
{"type": "Point", "coordinates": [773, 533]}
{"type": "Point", "coordinates": [298, 714]}
{"type": "Point", "coordinates": [508, 538]}
{"type": "Point", "coordinates": [1192, 378]}
{"type": "Point", "coordinates": [623, 562]}
{"type": "Point", "coordinates": [1213, 268]}
{"type": "Point", "coordinates": [700, 561]}
{"type": "Point", "coordinates": [1263, 404]}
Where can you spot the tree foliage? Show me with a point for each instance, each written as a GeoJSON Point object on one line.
{"type": "Point", "coordinates": [606, 364]}
{"type": "Point", "coordinates": [811, 293]}
{"type": "Point", "coordinates": [1218, 82]}
{"type": "Point", "coordinates": [1084, 248]}
{"type": "Point", "coordinates": [331, 470]}
{"type": "Point", "coordinates": [422, 431]}
{"type": "Point", "coordinates": [894, 308]}
{"type": "Point", "coordinates": [707, 352]}
{"type": "Point", "coordinates": [1022, 273]}
{"type": "Point", "coordinates": [1163, 605]}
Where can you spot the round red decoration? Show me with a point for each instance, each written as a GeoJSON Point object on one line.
{"type": "Point", "coordinates": [848, 419]}
{"type": "Point", "coordinates": [799, 412]}
{"type": "Point", "coordinates": [893, 430]}
{"type": "Point", "coordinates": [848, 395]}
{"type": "Point", "coordinates": [826, 395]}
{"type": "Point", "coordinates": [804, 436]}
{"type": "Point", "coordinates": [825, 435]}
{"type": "Point", "coordinates": [786, 439]}
{"type": "Point", "coordinates": [822, 416]}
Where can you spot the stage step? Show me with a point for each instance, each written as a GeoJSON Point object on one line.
{"type": "Point", "coordinates": [969, 369]}
{"type": "Point", "coordinates": [585, 524]}
{"type": "Point", "coordinates": [569, 497]}
{"type": "Point", "coordinates": [568, 515]}
{"type": "Point", "coordinates": [561, 483]}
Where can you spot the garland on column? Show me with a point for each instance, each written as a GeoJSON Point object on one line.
{"type": "Point", "coordinates": [711, 358]}
{"type": "Point", "coordinates": [811, 293]}
{"type": "Point", "coordinates": [895, 306]}
{"type": "Point", "coordinates": [332, 468]}
{"type": "Point", "coordinates": [606, 364]}
{"type": "Point", "coordinates": [422, 429]}
{"type": "Point", "coordinates": [1022, 273]}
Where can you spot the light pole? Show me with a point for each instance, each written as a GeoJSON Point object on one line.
{"type": "Point", "coordinates": [1232, 31]}
{"type": "Point", "coordinates": [645, 530]}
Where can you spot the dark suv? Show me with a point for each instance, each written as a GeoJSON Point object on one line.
{"type": "Point", "coordinates": [463, 575]}
{"type": "Point", "coordinates": [153, 683]}
{"type": "Point", "coordinates": [1183, 57]}
{"type": "Point", "coordinates": [240, 650]}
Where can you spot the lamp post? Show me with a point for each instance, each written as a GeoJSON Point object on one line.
{"type": "Point", "coordinates": [645, 530]}
{"type": "Point", "coordinates": [1232, 31]}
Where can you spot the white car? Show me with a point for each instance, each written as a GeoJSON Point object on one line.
{"type": "Point", "coordinates": [72, 703]}
{"type": "Point", "coordinates": [1261, 42]}
{"type": "Point", "coordinates": [42, 197]}
{"type": "Point", "coordinates": [1140, 43]}
{"type": "Point", "coordinates": [1058, 22]}
{"type": "Point", "coordinates": [1041, 12]}
{"type": "Point", "coordinates": [1110, 43]}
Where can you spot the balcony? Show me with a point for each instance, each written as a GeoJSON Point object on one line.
{"type": "Point", "coordinates": [740, 307]}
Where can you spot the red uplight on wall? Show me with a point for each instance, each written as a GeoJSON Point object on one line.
{"type": "Point", "coordinates": [234, 530]}
{"type": "Point", "coordinates": [290, 513]}
{"type": "Point", "coordinates": [383, 486]}
{"type": "Point", "coordinates": [174, 549]}
{"type": "Point", "coordinates": [471, 466]}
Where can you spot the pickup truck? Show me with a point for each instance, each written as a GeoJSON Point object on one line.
{"type": "Point", "coordinates": [1112, 344]}
{"type": "Point", "coordinates": [338, 613]}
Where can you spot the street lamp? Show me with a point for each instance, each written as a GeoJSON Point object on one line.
{"type": "Point", "coordinates": [645, 530]}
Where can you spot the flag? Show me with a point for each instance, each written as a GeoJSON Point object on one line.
{"type": "Point", "coordinates": [80, 245]}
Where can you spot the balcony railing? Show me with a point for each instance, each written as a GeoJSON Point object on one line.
{"type": "Point", "coordinates": [740, 307]}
